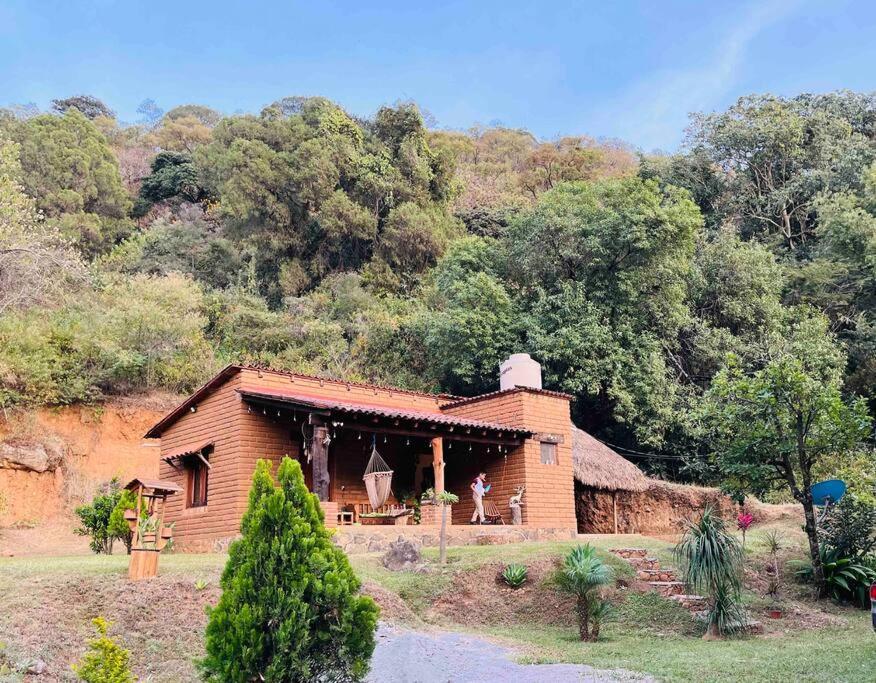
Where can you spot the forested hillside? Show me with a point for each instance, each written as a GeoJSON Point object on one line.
{"type": "Point", "coordinates": [139, 257]}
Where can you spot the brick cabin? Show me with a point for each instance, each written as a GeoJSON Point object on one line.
{"type": "Point", "coordinates": [519, 435]}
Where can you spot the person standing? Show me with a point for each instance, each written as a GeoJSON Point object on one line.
{"type": "Point", "coordinates": [477, 495]}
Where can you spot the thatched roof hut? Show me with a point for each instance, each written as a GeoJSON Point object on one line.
{"type": "Point", "coordinates": [596, 466]}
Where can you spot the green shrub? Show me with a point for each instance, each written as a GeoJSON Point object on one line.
{"type": "Point", "coordinates": [290, 608]}
{"type": "Point", "coordinates": [584, 574]}
{"type": "Point", "coordinates": [514, 575]}
{"type": "Point", "coordinates": [850, 527]}
{"type": "Point", "coordinates": [847, 579]}
{"type": "Point", "coordinates": [95, 518]}
{"type": "Point", "coordinates": [118, 526]}
{"type": "Point", "coordinates": [105, 661]}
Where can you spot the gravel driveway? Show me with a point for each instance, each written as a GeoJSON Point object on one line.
{"type": "Point", "coordinates": [405, 656]}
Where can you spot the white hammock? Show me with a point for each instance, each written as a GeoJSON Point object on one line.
{"type": "Point", "coordinates": [378, 479]}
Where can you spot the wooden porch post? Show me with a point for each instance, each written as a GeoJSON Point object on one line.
{"type": "Point", "coordinates": [614, 508]}
{"type": "Point", "coordinates": [319, 451]}
{"type": "Point", "coordinates": [438, 463]}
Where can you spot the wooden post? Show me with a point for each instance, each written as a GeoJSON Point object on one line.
{"type": "Point", "coordinates": [438, 463]}
{"type": "Point", "coordinates": [614, 508]}
{"type": "Point", "coordinates": [137, 539]}
{"type": "Point", "coordinates": [319, 450]}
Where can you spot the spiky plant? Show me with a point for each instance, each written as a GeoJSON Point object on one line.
{"type": "Point", "coordinates": [584, 574]}
{"type": "Point", "coordinates": [515, 575]}
{"type": "Point", "coordinates": [710, 560]}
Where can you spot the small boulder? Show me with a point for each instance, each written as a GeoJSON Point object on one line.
{"type": "Point", "coordinates": [403, 555]}
{"type": "Point", "coordinates": [37, 668]}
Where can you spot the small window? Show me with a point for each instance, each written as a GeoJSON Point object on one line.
{"type": "Point", "coordinates": [548, 453]}
{"type": "Point", "coordinates": [198, 474]}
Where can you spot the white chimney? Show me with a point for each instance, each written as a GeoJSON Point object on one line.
{"type": "Point", "coordinates": [519, 371]}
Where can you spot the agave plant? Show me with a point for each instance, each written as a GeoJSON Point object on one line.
{"type": "Point", "coordinates": [515, 575]}
{"type": "Point", "coordinates": [584, 574]}
{"type": "Point", "coordinates": [710, 560]}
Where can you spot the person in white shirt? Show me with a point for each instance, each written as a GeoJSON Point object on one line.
{"type": "Point", "coordinates": [477, 495]}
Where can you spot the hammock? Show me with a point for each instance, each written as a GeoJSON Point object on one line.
{"type": "Point", "coordinates": [377, 478]}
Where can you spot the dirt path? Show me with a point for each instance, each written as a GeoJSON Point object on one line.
{"type": "Point", "coordinates": [405, 656]}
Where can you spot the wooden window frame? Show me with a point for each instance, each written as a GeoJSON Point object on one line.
{"type": "Point", "coordinates": [197, 481]}
{"type": "Point", "coordinates": [553, 451]}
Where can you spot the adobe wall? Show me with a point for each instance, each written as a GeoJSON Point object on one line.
{"type": "Point", "coordinates": [662, 508]}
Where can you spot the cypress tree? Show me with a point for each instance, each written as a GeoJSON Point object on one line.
{"type": "Point", "coordinates": [290, 609]}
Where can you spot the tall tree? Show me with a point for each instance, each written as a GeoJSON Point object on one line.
{"type": "Point", "coordinates": [38, 267]}
{"type": "Point", "coordinates": [773, 425]}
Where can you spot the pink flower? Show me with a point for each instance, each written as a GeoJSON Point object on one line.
{"type": "Point", "coordinates": [744, 520]}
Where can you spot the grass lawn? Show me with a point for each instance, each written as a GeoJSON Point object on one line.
{"type": "Point", "coordinates": [835, 654]}
{"type": "Point", "coordinates": [162, 620]}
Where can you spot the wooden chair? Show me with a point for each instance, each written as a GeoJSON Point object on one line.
{"type": "Point", "coordinates": [491, 513]}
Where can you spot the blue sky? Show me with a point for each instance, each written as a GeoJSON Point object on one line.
{"type": "Point", "coordinates": [632, 70]}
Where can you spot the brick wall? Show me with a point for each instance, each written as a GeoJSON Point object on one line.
{"type": "Point", "coordinates": [549, 500]}
{"type": "Point", "coordinates": [218, 418]}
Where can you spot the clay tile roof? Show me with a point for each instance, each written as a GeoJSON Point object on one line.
{"type": "Point", "coordinates": [376, 410]}
{"type": "Point", "coordinates": [219, 378]}
{"type": "Point", "coordinates": [503, 392]}
{"type": "Point", "coordinates": [187, 450]}
{"type": "Point", "coordinates": [597, 466]}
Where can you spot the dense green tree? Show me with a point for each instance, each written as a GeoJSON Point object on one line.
{"type": "Point", "coordinates": [38, 266]}
{"type": "Point", "coordinates": [602, 265]}
{"type": "Point", "coordinates": [188, 246]}
{"type": "Point", "coordinates": [290, 608]}
{"type": "Point", "coordinates": [69, 168]}
{"type": "Point", "coordinates": [772, 424]}
{"type": "Point", "coordinates": [778, 155]}
{"type": "Point", "coordinates": [172, 175]}
{"type": "Point", "coordinates": [208, 117]}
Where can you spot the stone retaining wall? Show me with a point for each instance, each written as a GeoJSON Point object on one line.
{"type": "Point", "coordinates": [372, 540]}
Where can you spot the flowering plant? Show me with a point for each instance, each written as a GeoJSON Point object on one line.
{"type": "Point", "coordinates": [743, 521]}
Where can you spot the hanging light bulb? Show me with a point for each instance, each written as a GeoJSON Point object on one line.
{"type": "Point", "coordinates": [264, 412]}
{"type": "Point", "coordinates": [407, 442]}
{"type": "Point", "coordinates": [278, 413]}
{"type": "Point", "coordinates": [384, 438]}
{"type": "Point", "coordinates": [295, 416]}
{"type": "Point", "coordinates": [359, 438]}
{"type": "Point", "coordinates": [469, 448]}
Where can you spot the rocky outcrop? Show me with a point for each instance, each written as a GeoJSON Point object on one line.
{"type": "Point", "coordinates": [36, 457]}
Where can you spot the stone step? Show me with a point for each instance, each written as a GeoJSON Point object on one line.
{"type": "Point", "coordinates": [628, 553]}
{"type": "Point", "coordinates": [644, 562]}
{"type": "Point", "coordinates": [656, 574]}
{"type": "Point", "coordinates": [668, 588]}
{"type": "Point", "coordinates": [691, 602]}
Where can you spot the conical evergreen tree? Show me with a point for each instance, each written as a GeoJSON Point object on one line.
{"type": "Point", "coordinates": [290, 609]}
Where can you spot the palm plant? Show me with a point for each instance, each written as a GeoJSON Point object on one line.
{"type": "Point", "coordinates": [710, 560]}
{"type": "Point", "coordinates": [445, 499]}
{"type": "Point", "coordinates": [583, 574]}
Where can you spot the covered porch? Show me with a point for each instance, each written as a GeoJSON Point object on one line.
{"type": "Point", "coordinates": [425, 450]}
